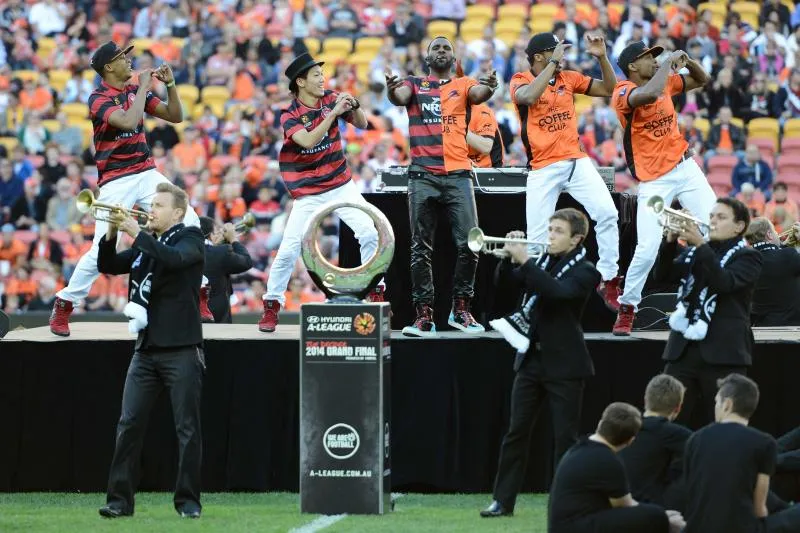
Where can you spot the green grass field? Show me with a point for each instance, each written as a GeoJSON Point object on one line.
{"type": "Point", "coordinates": [262, 513]}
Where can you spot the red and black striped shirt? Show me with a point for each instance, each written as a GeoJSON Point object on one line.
{"type": "Point", "coordinates": [438, 114]}
{"type": "Point", "coordinates": [319, 169]}
{"type": "Point", "coordinates": [118, 152]}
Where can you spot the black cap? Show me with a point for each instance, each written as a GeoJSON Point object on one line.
{"type": "Point", "coordinates": [541, 42]}
{"type": "Point", "coordinates": [301, 63]}
{"type": "Point", "coordinates": [106, 54]}
{"type": "Point", "coordinates": [634, 51]}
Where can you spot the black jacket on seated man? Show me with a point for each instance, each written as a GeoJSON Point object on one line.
{"type": "Point", "coordinates": [173, 312]}
{"type": "Point", "coordinates": [776, 301]}
{"type": "Point", "coordinates": [222, 260]}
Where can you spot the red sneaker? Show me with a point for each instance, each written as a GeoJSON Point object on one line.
{"type": "Point", "coordinates": [624, 323]}
{"type": "Point", "coordinates": [269, 319]}
{"type": "Point", "coordinates": [59, 318]}
{"type": "Point", "coordinates": [206, 315]}
{"type": "Point", "coordinates": [610, 292]}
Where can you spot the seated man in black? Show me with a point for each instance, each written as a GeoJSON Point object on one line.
{"type": "Point", "coordinates": [727, 469]}
{"type": "Point", "coordinates": [776, 300]}
{"type": "Point", "coordinates": [786, 483]}
{"type": "Point", "coordinates": [553, 362]}
{"type": "Point", "coordinates": [653, 461]}
{"type": "Point", "coordinates": [711, 335]}
{"type": "Point", "coordinates": [590, 492]}
{"type": "Point", "coordinates": [225, 255]}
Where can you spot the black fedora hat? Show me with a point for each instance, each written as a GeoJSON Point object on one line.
{"type": "Point", "coordinates": [301, 64]}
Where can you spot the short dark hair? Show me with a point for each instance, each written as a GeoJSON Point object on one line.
{"type": "Point", "coordinates": [741, 213]}
{"type": "Point", "coordinates": [757, 230]}
{"type": "Point", "coordinates": [293, 84]}
{"type": "Point", "coordinates": [620, 423]}
{"type": "Point", "coordinates": [438, 37]}
{"type": "Point", "coordinates": [780, 185]}
{"type": "Point", "coordinates": [742, 391]}
{"type": "Point", "coordinates": [578, 223]}
{"type": "Point", "coordinates": [180, 200]}
{"type": "Point", "coordinates": [663, 394]}
{"type": "Point", "coordinates": [207, 226]}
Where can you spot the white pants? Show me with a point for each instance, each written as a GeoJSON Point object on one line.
{"type": "Point", "coordinates": [581, 180]}
{"type": "Point", "coordinates": [281, 269]}
{"type": "Point", "coordinates": [686, 182]}
{"type": "Point", "coordinates": [126, 191]}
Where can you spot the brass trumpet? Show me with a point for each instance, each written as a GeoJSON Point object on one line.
{"type": "Point", "coordinates": [87, 203]}
{"type": "Point", "coordinates": [478, 242]}
{"type": "Point", "coordinates": [247, 223]}
{"type": "Point", "coordinates": [788, 238]}
{"type": "Point", "coordinates": [672, 219]}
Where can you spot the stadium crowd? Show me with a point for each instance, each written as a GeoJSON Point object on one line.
{"type": "Point", "coordinates": [229, 57]}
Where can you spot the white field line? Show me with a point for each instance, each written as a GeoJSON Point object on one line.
{"type": "Point", "coordinates": [324, 521]}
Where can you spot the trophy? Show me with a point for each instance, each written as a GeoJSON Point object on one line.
{"type": "Point", "coordinates": [345, 355]}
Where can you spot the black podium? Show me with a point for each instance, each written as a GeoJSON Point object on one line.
{"type": "Point", "coordinates": [345, 411]}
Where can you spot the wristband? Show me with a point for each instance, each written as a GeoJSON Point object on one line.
{"type": "Point", "coordinates": [358, 104]}
{"type": "Point", "coordinates": [171, 84]}
{"type": "Point", "coordinates": [553, 61]}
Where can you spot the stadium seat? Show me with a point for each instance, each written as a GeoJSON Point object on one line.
{"type": "Point", "coordinates": [370, 45]}
{"type": "Point", "coordinates": [75, 111]}
{"type": "Point", "coordinates": [445, 28]}
{"type": "Point", "coordinates": [766, 146]}
{"type": "Point", "coordinates": [215, 94]}
{"type": "Point", "coordinates": [140, 45]}
{"type": "Point", "coordinates": [540, 25]}
{"type": "Point", "coordinates": [764, 128]}
{"type": "Point", "coordinates": [90, 75]}
{"type": "Point", "coordinates": [312, 44]}
{"type": "Point", "coordinates": [703, 125]}
{"type": "Point", "coordinates": [87, 131]}
{"type": "Point", "coordinates": [543, 11]}
{"type": "Point", "coordinates": [9, 142]}
{"type": "Point", "coordinates": [188, 93]}
{"type": "Point", "coordinates": [25, 75]}
{"type": "Point", "coordinates": [720, 181]}
{"type": "Point", "coordinates": [509, 23]}
{"type": "Point", "coordinates": [723, 163]}
{"type": "Point", "coordinates": [584, 9]}
{"type": "Point", "coordinates": [717, 8]}
{"type": "Point", "coordinates": [744, 7]}
{"type": "Point", "coordinates": [791, 128]}
{"type": "Point", "coordinates": [514, 11]}
{"type": "Point", "coordinates": [484, 13]}
{"type": "Point", "coordinates": [789, 167]}
{"type": "Point", "coordinates": [180, 42]}
{"type": "Point", "coordinates": [790, 146]}
{"type": "Point", "coordinates": [509, 36]}
{"type": "Point", "coordinates": [337, 45]}
{"type": "Point", "coordinates": [51, 125]}
{"type": "Point", "coordinates": [59, 79]}
{"type": "Point", "coordinates": [46, 47]}
{"type": "Point", "coordinates": [471, 27]}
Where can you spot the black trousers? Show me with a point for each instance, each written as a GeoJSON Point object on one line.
{"type": "Point", "coordinates": [786, 481]}
{"type": "Point", "coordinates": [529, 393]}
{"type": "Point", "coordinates": [181, 372]}
{"type": "Point", "coordinates": [700, 379]}
{"type": "Point", "coordinates": [644, 518]}
{"type": "Point", "coordinates": [787, 521]}
{"type": "Point", "coordinates": [426, 192]}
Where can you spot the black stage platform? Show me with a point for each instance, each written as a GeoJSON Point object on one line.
{"type": "Point", "coordinates": [60, 400]}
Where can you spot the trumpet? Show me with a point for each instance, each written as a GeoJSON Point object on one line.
{"type": "Point", "coordinates": [247, 223]}
{"type": "Point", "coordinates": [87, 203]}
{"type": "Point", "coordinates": [477, 241]}
{"type": "Point", "coordinates": [788, 238]}
{"type": "Point", "coordinates": [672, 219]}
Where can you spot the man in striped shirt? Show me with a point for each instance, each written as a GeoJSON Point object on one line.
{"type": "Point", "coordinates": [127, 174]}
{"type": "Point", "coordinates": [439, 110]}
{"type": "Point", "coordinates": [315, 172]}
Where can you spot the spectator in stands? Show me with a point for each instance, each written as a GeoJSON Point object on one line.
{"type": "Point", "coordinates": [770, 61]}
{"type": "Point", "coordinates": [11, 248]}
{"type": "Point", "coordinates": [724, 138]}
{"type": "Point", "coordinates": [48, 17]}
{"type": "Point", "coordinates": [691, 133]}
{"type": "Point", "coordinates": [152, 19]}
{"type": "Point", "coordinates": [52, 170]}
{"type": "Point", "coordinates": [74, 250]}
{"type": "Point", "coordinates": [31, 207]}
{"type": "Point", "coordinates": [163, 133]}
{"type": "Point", "coordinates": [752, 169]}
{"type": "Point", "coordinates": [266, 207]}
{"type": "Point", "coordinates": [220, 67]}
{"type": "Point", "coordinates": [407, 27]}
{"type": "Point", "coordinates": [11, 189]}
{"type": "Point", "coordinates": [343, 21]}
{"type": "Point", "coordinates": [297, 294]}
{"type": "Point", "coordinates": [77, 88]}
{"type": "Point", "coordinates": [44, 253]}
{"type": "Point", "coordinates": [23, 169]}
{"type": "Point", "coordinates": [45, 295]}
{"type": "Point", "coordinates": [455, 10]}
{"type": "Point", "coordinates": [752, 198]}
{"type": "Point", "coordinates": [792, 47]}
{"type": "Point", "coordinates": [775, 6]}
{"type": "Point", "coordinates": [694, 47]}
{"type": "Point", "coordinates": [62, 211]}
{"type": "Point", "coordinates": [768, 33]}
{"type": "Point", "coordinates": [380, 159]}
{"type": "Point", "coordinates": [189, 155]}
{"type": "Point", "coordinates": [375, 19]}
{"type": "Point", "coordinates": [309, 21]}
{"type": "Point", "coordinates": [786, 104]}
{"type": "Point", "coordinates": [780, 201]}
{"type": "Point", "coordinates": [760, 98]}
{"type": "Point", "coordinates": [33, 135]}
{"type": "Point", "coordinates": [725, 93]}
{"type": "Point", "coordinates": [37, 96]}
{"type": "Point", "coordinates": [68, 138]}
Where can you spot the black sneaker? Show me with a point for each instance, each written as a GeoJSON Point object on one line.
{"type": "Point", "coordinates": [112, 511]}
{"type": "Point", "coordinates": [423, 325]}
{"type": "Point", "coordinates": [189, 510]}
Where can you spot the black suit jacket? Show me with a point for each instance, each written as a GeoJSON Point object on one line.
{"type": "Point", "coordinates": [729, 340]}
{"type": "Point", "coordinates": [173, 313]}
{"type": "Point", "coordinates": [776, 301]}
{"type": "Point", "coordinates": [561, 352]}
{"type": "Point", "coordinates": [223, 260]}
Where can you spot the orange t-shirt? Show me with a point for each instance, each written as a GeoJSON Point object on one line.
{"type": "Point", "coordinates": [189, 154]}
{"type": "Point", "coordinates": [454, 96]}
{"type": "Point", "coordinates": [40, 99]}
{"type": "Point", "coordinates": [483, 122]}
{"type": "Point", "coordinates": [550, 126]}
{"type": "Point", "coordinates": [725, 141]}
{"type": "Point", "coordinates": [653, 142]}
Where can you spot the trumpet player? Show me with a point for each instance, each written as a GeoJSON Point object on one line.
{"type": "Point", "coordinates": [657, 155]}
{"type": "Point", "coordinates": [225, 256]}
{"type": "Point", "coordinates": [127, 174]}
{"type": "Point", "coordinates": [552, 361]}
{"type": "Point", "coordinates": [710, 333]}
{"type": "Point", "coordinates": [776, 300]}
